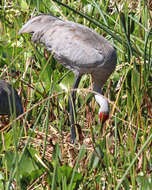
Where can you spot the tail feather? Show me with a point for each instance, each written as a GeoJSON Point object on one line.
{"type": "Point", "coordinates": [37, 23]}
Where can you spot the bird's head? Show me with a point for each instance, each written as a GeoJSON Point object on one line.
{"type": "Point", "coordinates": [104, 108]}
{"type": "Point", "coordinates": [103, 117]}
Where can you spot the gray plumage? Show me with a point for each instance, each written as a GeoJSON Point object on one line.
{"type": "Point", "coordinates": [78, 48]}
{"type": "Point", "coordinates": [8, 92]}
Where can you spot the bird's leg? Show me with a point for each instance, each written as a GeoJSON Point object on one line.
{"type": "Point", "coordinates": [72, 107]}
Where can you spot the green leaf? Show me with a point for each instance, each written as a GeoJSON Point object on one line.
{"type": "Point", "coordinates": [24, 5]}
{"type": "Point", "coordinates": [27, 163]}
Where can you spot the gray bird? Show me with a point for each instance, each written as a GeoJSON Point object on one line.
{"type": "Point", "coordinates": [9, 100]}
{"type": "Point", "coordinates": [79, 49]}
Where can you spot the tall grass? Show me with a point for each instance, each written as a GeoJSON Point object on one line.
{"type": "Point", "coordinates": [36, 153]}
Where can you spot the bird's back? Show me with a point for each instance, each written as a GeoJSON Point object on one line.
{"type": "Point", "coordinates": [77, 47]}
{"type": "Point", "coordinates": [8, 92]}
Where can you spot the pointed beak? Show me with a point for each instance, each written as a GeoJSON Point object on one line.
{"type": "Point", "coordinates": [102, 118]}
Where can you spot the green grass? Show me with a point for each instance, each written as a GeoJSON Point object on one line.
{"type": "Point", "coordinates": [35, 153]}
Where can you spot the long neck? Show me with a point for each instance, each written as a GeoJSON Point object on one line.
{"type": "Point", "coordinates": [103, 103]}
{"type": "Point", "coordinates": [101, 100]}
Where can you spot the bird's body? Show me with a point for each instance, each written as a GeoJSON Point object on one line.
{"type": "Point", "coordinates": [78, 48]}
{"type": "Point", "coordinates": [8, 99]}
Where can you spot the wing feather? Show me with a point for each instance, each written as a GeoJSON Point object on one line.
{"type": "Point", "coordinates": [74, 45]}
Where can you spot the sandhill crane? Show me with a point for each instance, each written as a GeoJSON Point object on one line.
{"type": "Point", "coordinates": [79, 49]}
{"type": "Point", "coordinates": [9, 100]}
